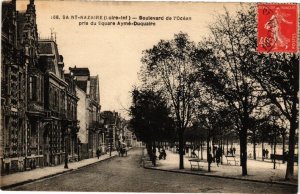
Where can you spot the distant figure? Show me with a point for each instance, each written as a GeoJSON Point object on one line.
{"type": "Point", "coordinates": [162, 154]}
{"type": "Point", "coordinates": [218, 155]}
{"type": "Point", "coordinates": [177, 149]}
{"type": "Point", "coordinates": [214, 150]}
{"type": "Point", "coordinates": [209, 159]}
{"type": "Point", "coordinates": [187, 149]}
{"type": "Point", "coordinates": [153, 157]}
{"type": "Point", "coordinates": [98, 152]}
{"type": "Point", "coordinates": [194, 154]}
{"type": "Point", "coordinates": [267, 153]}
{"type": "Point", "coordinates": [233, 150]}
{"type": "Point", "coordinates": [285, 156]}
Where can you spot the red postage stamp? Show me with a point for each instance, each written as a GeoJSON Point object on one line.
{"type": "Point", "coordinates": [277, 28]}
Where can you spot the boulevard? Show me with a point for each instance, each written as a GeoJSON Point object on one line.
{"type": "Point", "coordinates": [126, 174]}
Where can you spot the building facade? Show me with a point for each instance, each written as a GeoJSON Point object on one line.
{"type": "Point", "coordinates": [82, 117]}
{"type": "Point", "coordinates": [72, 100]}
{"type": "Point", "coordinates": [56, 128]}
{"type": "Point", "coordinates": [90, 86]}
{"type": "Point", "coordinates": [41, 105]}
{"type": "Point", "coordinates": [22, 85]}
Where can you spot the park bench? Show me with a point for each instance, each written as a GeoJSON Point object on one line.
{"type": "Point", "coordinates": [231, 159]}
{"type": "Point", "coordinates": [195, 164]}
{"type": "Point", "coordinates": [282, 158]}
{"type": "Point", "coordinates": [277, 157]}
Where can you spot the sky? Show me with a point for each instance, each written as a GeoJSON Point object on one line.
{"type": "Point", "coordinates": [113, 52]}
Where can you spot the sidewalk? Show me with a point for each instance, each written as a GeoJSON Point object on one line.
{"type": "Point", "coordinates": [258, 171]}
{"type": "Point", "coordinates": [20, 178]}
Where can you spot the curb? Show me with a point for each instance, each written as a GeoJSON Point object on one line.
{"type": "Point", "coordinates": [81, 167]}
{"type": "Point", "coordinates": [51, 175]}
{"type": "Point", "coordinates": [32, 180]}
{"type": "Point", "coordinates": [218, 176]}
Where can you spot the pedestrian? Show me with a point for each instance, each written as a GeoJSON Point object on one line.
{"type": "Point", "coordinates": [218, 155]}
{"type": "Point", "coordinates": [264, 153]}
{"type": "Point", "coordinates": [193, 154]}
{"type": "Point", "coordinates": [187, 149]}
{"type": "Point", "coordinates": [267, 153]}
{"type": "Point", "coordinates": [210, 159]}
{"type": "Point", "coordinates": [153, 156]}
{"type": "Point", "coordinates": [214, 150]}
{"type": "Point", "coordinates": [285, 156]}
{"type": "Point", "coordinates": [233, 150]}
{"type": "Point", "coordinates": [98, 153]}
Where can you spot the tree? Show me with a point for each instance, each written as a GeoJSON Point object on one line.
{"type": "Point", "coordinates": [150, 117]}
{"type": "Point", "coordinates": [232, 44]}
{"type": "Point", "coordinates": [197, 133]}
{"type": "Point", "coordinates": [168, 67]}
{"type": "Point", "coordinates": [278, 75]}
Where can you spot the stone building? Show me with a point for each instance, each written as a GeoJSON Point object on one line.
{"type": "Point", "coordinates": [82, 117]}
{"type": "Point", "coordinates": [28, 41]}
{"type": "Point", "coordinates": [57, 126]}
{"type": "Point", "coordinates": [19, 138]}
{"type": "Point", "coordinates": [72, 99]}
{"type": "Point", "coordinates": [90, 86]}
{"type": "Point", "coordinates": [111, 122]}
{"type": "Point", "coordinates": [39, 102]}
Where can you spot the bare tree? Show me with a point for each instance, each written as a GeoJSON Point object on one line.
{"type": "Point", "coordinates": [168, 67]}
{"type": "Point", "coordinates": [278, 75]}
{"type": "Point", "coordinates": [232, 43]}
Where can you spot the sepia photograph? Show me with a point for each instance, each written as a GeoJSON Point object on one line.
{"type": "Point", "coordinates": [149, 96]}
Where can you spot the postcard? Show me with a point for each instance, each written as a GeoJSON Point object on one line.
{"type": "Point", "coordinates": [176, 97]}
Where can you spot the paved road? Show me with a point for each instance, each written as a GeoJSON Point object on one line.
{"type": "Point", "coordinates": [124, 174]}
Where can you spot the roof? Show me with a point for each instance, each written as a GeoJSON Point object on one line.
{"type": "Point", "coordinates": [82, 71]}
{"type": "Point", "coordinates": [45, 48]}
{"type": "Point", "coordinates": [82, 85]}
{"type": "Point", "coordinates": [48, 49]}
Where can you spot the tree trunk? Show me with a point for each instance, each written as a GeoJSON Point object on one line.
{"type": "Point", "coordinates": [262, 150]}
{"type": "Point", "coordinates": [201, 147]}
{"type": "Point", "coordinates": [180, 136]}
{"type": "Point", "coordinates": [208, 151]}
{"type": "Point", "coordinates": [283, 146]}
{"type": "Point", "coordinates": [290, 160]}
{"type": "Point", "coordinates": [243, 147]}
{"type": "Point", "coordinates": [222, 148]}
{"type": "Point", "coordinates": [241, 153]}
{"type": "Point", "coordinates": [274, 166]}
{"type": "Point", "coordinates": [254, 146]}
{"type": "Point", "coordinates": [227, 146]}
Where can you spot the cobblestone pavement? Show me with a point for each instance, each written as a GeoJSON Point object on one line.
{"type": "Point", "coordinates": [125, 174]}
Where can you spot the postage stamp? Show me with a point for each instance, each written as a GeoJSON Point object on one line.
{"type": "Point", "coordinates": [277, 28]}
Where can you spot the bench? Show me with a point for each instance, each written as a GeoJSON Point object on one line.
{"type": "Point", "coordinates": [231, 159]}
{"type": "Point", "coordinates": [195, 164]}
{"type": "Point", "coordinates": [282, 157]}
